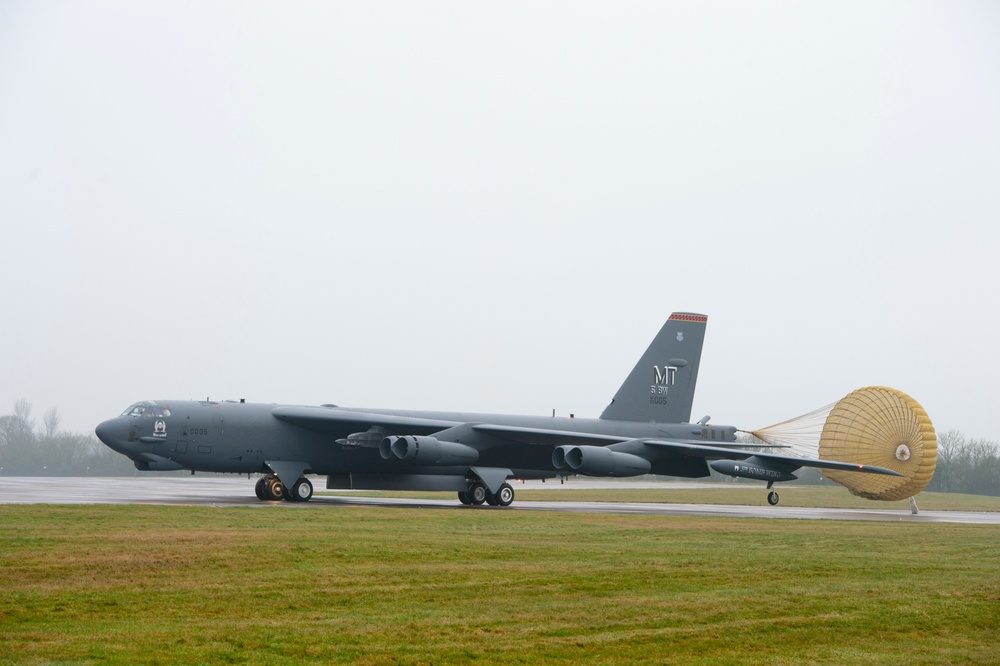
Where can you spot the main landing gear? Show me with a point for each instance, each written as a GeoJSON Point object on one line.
{"type": "Point", "coordinates": [270, 489]}
{"type": "Point", "coordinates": [478, 493]}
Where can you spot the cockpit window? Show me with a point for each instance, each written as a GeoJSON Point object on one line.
{"type": "Point", "coordinates": [148, 408]}
{"type": "Point", "coordinates": [135, 410]}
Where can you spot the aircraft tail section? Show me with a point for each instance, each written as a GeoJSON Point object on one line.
{"type": "Point", "coordinates": [661, 386]}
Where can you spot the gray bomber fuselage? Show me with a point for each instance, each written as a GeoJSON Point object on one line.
{"type": "Point", "coordinates": [645, 429]}
{"type": "Point", "coordinates": [239, 437]}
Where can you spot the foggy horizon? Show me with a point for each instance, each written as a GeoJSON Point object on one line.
{"type": "Point", "coordinates": [480, 208]}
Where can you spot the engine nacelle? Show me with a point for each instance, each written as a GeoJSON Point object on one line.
{"type": "Point", "coordinates": [751, 468]}
{"type": "Point", "coordinates": [423, 450]}
{"type": "Point", "coordinates": [599, 461]}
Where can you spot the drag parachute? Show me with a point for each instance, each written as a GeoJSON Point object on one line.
{"type": "Point", "coordinates": [875, 425]}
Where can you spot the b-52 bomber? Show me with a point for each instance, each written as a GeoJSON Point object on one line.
{"type": "Point", "coordinates": [645, 430]}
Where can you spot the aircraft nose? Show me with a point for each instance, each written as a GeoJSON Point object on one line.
{"type": "Point", "coordinates": [103, 431]}
{"type": "Point", "coordinates": [113, 433]}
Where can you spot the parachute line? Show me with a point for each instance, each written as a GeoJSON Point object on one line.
{"type": "Point", "coordinates": [801, 434]}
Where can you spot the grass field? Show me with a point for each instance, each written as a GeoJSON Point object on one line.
{"type": "Point", "coordinates": [375, 585]}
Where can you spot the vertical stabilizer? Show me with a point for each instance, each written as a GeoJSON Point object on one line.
{"type": "Point", "coordinates": [661, 386]}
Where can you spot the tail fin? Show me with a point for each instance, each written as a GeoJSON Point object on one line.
{"type": "Point", "coordinates": [661, 386]}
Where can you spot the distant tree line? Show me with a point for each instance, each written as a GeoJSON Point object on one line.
{"type": "Point", "coordinates": [966, 465]}
{"type": "Point", "coordinates": [29, 449]}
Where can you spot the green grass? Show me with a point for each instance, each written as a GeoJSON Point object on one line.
{"type": "Point", "coordinates": [374, 585]}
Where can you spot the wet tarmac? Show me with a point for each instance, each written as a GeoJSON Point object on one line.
{"type": "Point", "coordinates": [238, 491]}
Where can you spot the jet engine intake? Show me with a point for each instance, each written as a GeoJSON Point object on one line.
{"type": "Point", "coordinates": [599, 461]}
{"type": "Point", "coordinates": [424, 450]}
{"type": "Point", "coordinates": [751, 468]}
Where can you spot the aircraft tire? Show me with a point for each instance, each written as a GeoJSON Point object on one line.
{"type": "Point", "coordinates": [491, 499]}
{"type": "Point", "coordinates": [274, 489]}
{"type": "Point", "coordinates": [302, 491]}
{"type": "Point", "coordinates": [477, 493]}
{"type": "Point", "coordinates": [259, 490]}
{"type": "Point", "coordinates": [505, 496]}
{"type": "Point", "coordinates": [772, 498]}
{"type": "Point", "coordinates": [463, 497]}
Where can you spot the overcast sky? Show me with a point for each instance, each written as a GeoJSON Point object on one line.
{"type": "Point", "coordinates": [495, 206]}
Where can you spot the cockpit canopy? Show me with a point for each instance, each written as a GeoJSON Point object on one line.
{"type": "Point", "coordinates": [146, 408]}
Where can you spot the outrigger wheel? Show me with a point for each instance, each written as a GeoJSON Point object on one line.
{"type": "Point", "coordinates": [880, 426]}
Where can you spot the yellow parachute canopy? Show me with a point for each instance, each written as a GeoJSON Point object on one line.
{"type": "Point", "coordinates": [875, 425]}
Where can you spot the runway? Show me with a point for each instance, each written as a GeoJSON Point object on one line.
{"type": "Point", "coordinates": [238, 491]}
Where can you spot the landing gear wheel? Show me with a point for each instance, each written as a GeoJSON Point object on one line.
{"type": "Point", "coordinates": [273, 489]}
{"type": "Point", "coordinates": [463, 497]}
{"type": "Point", "coordinates": [260, 490]}
{"type": "Point", "coordinates": [302, 491]}
{"type": "Point", "coordinates": [505, 495]}
{"type": "Point", "coordinates": [477, 493]}
{"type": "Point", "coordinates": [492, 500]}
{"type": "Point", "coordinates": [772, 498]}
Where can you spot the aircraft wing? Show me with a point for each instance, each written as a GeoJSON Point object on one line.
{"type": "Point", "coordinates": [787, 463]}
{"type": "Point", "coordinates": [561, 437]}
{"type": "Point", "coordinates": [545, 436]}
{"type": "Point", "coordinates": [335, 420]}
